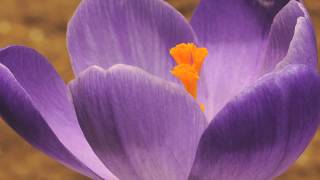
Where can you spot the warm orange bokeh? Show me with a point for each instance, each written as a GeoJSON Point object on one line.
{"type": "Point", "coordinates": [41, 24]}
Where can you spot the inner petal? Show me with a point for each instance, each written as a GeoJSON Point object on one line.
{"type": "Point", "coordinates": [244, 44]}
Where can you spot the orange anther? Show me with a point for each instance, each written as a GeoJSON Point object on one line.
{"type": "Point", "coordinates": [189, 59]}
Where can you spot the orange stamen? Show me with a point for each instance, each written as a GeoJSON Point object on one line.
{"type": "Point", "coordinates": [188, 76]}
{"type": "Point", "coordinates": [189, 59]}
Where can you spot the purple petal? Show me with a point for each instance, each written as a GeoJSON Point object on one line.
{"type": "Point", "coordinates": [243, 44]}
{"type": "Point", "coordinates": [303, 47]}
{"type": "Point", "coordinates": [142, 127]}
{"type": "Point", "coordinates": [133, 32]}
{"type": "Point", "coordinates": [34, 102]}
{"type": "Point", "coordinates": [292, 28]}
{"type": "Point", "coordinates": [17, 106]}
{"type": "Point", "coordinates": [260, 133]}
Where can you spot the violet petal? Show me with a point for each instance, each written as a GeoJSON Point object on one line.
{"type": "Point", "coordinates": [133, 32]}
{"type": "Point", "coordinates": [303, 47]}
{"type": "Point", "coordinates": [235, 33]}
{"type": "Point", "coordinates": [142, 127]}
{"type": "Point", "coordinates": [260, 133]}
{"type": "Point", "coordinates": [284, 28]}
{"type": "Point", "coordinates": [34, 102]}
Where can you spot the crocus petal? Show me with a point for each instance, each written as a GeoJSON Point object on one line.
{"type": "Point", "coordinates": [264, 130]}
{"type": "Point", "coordinates": [303, 47]}
{"type": "Point", "coordinates": [34, 102]}
{"type": "Point", "coordinates": [243, 44]}
{"type": "Point", "coordinates": [16, 106]}
{"type": "Point", "coordinates": [291, 33]}
{"type": "Point", "coordinates": [133, 32]}
{"type": "Point", "coordinates": [141, 127]}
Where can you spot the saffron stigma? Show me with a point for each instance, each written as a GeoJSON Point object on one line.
{"type": "Point", "coordinates": [189, 59]}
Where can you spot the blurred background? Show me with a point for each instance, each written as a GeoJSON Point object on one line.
{"type": "Point", "coordinates": [41, 24]}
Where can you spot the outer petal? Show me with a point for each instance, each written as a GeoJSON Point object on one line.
{"type": "Point", "coordinates": [262, 131]}
{"type": "Point", "coordinates": [34, 102]}
{"type": "Point", "coordinates": [142, 127]}
{"type": "Point", "coordinates": [133, 32]}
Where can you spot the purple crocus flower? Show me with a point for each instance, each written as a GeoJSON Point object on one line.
{"type": "Point", "coordinates": [126, 117]}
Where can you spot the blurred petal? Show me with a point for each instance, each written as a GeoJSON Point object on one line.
{"type": "Point", "coordinates": [133, 32]}
{"type": "Point", "coordinates": [142, 127]}
{"type": "Point", "coordinates": [287, 31]}
{"type": "Point", "coordinates": [260, 133]}
{"type": "Point", "coordinates": [34, 102]}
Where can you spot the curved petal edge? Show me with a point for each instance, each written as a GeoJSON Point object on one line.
{"type": "Point", "coordinates": [142, 127]}
{"type": "Point", "coordinates": [261, 132]}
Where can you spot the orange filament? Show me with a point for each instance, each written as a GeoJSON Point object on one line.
{"type": "Point", "coordinates": [189, 59]}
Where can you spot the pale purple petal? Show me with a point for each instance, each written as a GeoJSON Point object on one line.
{"type": "Point", "coordinates": [133, 32]}
{"type": "Point", "coordinates": [287, 31]}
{"type": "Point", "coordinates": [260, 133]}
{"type": "Point", "coordinates": [142, 127]}
{"type": "Point", "coordinates": [34, 103]}
{"type": "Point", "coordinates": [242, 37]}
{"type": "Point", "coordinates": [303, 47]}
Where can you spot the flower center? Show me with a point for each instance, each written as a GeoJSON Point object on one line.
{"type": "Point", "coordinates": [189, 59]}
